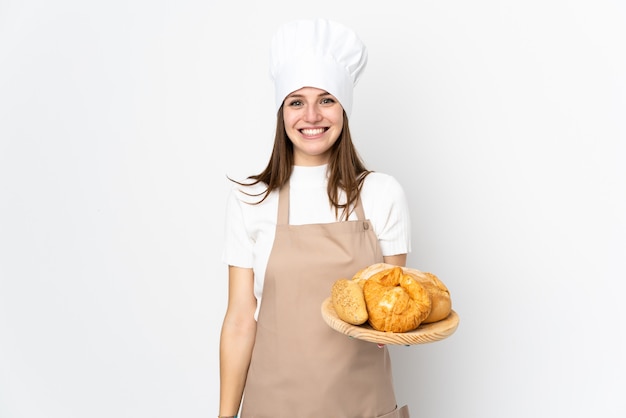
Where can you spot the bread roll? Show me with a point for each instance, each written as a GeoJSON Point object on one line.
{"type": "Point", "coordinates": [348, 301]}
{"type": "Point", "coordinates": [362, 275]}
{"type": "Point", "coordinates": [440, 295]}
{"type": "Point", "coordinates": [395, 301]}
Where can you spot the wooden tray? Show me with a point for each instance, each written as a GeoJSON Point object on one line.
{"type": "Point", "coordinates": [425, 333]}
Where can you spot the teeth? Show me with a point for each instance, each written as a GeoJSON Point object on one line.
{"type": "Point", "coordinates": [316, 131]}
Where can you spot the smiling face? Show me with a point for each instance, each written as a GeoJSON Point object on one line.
{"type": "Point", "coordinates": [313, 122]}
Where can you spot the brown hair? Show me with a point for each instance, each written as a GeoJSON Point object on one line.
{"type": "Point", "coordinates": [346, 168]}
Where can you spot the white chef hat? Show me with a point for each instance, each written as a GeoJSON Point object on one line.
{"type": "Point", "coordinates": [316, 53]}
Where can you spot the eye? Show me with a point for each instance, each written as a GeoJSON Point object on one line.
{"type": "Point", "coordinates": [327, 100]}
{"type": "Point", "coordinates": [295, 103]}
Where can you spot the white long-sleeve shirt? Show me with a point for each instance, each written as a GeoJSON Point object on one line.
{"type": "Point", "coordinates": [250, 229]}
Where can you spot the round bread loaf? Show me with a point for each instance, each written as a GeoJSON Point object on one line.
{"type": "Point", "coordinates": [395, 301]}
{"type": "Point", "coordinates": [439, 294]}
{"type": "Point", "coordinates": [362, 275]}
{"type": "Point", "coordinates": [348, 301]}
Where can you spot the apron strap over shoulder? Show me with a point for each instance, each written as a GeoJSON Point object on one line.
{"type": "Point", "coordinates": [360, 213]}
{"type": "Point", "coordinates": [283, 204]}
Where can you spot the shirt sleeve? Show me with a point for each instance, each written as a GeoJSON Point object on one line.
{"type": "Point", "coordinates": [238, 246]}
{"type": "Point", "coordinates": [390, 214]}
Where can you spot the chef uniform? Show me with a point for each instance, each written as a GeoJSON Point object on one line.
{"type": "Point", "coordinates": [300, 367]}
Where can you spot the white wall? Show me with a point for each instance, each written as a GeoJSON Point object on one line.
{"type": "Point", "coordinates": [119, 121]}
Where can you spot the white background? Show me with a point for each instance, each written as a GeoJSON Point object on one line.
{"type": "Point", "coordinates": [120, 120]}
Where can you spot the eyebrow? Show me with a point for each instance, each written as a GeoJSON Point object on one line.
{"type": "Point", "coordinates": [319, 95]}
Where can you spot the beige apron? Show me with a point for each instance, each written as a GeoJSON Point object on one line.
{"type": "Point", "coordinates": [301, 368]}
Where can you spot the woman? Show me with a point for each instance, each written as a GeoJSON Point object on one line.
{"type": "Point", "coordinates": [315, 214]}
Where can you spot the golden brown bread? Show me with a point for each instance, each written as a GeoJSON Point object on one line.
{"type": "Point", "coordinates": [439, 294]}
{"type": "Point", "coordinates": [441, 302]}
{"type": "Point", "coordinates": [395, 301]}
{"type": "Point", "coordinates": [348, 301]}
{"type": "Point", "coordinates": [362, 275]}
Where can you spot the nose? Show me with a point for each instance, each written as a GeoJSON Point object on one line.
{"type": "Point", "coordinates": [312, 113]}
